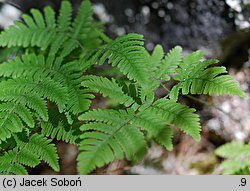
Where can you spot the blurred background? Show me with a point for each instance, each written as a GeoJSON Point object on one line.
{"type": "Point", "coordinates": [219, 27]}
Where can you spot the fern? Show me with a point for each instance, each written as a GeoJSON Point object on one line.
{"type": "Point", "coordinates": [113, 135]}
{"type": "Point", "coordinates": [44, 30]}
{"type": "Point", "coordinates": [127, 54]}
{"type": "Point", "coordinates": [237, 157]}
{"type": "Point", "coordinates": [108, 88]}
{"type": "Point", "coordinates": [46, 91]}
{"type": "Point", "coordinates": [60, 127]}
{"type": "Point", "coordinates": [196, 77]}
{"type": "Point", "coordinates": [29, 154]}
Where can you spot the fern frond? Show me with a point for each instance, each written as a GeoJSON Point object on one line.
{"type": "Point", "coordinates": [34, 32]}
{"type": "Point", "coordinates": [179, 115]}
{"type": "Point", "coordinates": [128, 54]}
{"type": "Point", "coordinates": [109, 88]}
{"type": "Point", "coordinates": [168, 64]}
{"type": "Point", "coordinates": [29, 154]}
{"type": "Point", "coordinates": [64, 87]}
{"type": "Point", "coordinates": [45, 31]}
{"type": "Point", "coordinates": [237, 157]}
{"type": "Point", "coordinates": [60, 132]}
{"type": "Point", "coordinates": [64, 18]}
{"type": "Point", "coordinates": [198, 78]}
{"type": "Point", "coordinates": [83, 21]}
{"type": "Point", "coordinates": [111, 137]}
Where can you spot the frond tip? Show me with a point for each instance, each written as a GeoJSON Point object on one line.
{"type": "Point", "coordinates": [199, 77]}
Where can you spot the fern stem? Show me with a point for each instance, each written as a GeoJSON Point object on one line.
{"type": "Point", "coordinates": [164, 87]}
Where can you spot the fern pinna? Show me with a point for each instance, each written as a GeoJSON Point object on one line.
{"type": "Point", "coordinates": [46, 92]}
{"type": "Point", "coordinates": [234, 152]}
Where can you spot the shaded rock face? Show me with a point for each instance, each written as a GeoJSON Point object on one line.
{"type": "Point", "coordinates": [194, 24]}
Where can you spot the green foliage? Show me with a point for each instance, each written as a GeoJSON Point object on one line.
{"type": "Point", "coordinates": [46, 92]}
{"type": "Point", "coordinates": [196, 77]}
{"type": "Point", "coordinates": [29, 154]}
{"type": "Point", "coordinates": [237, 157]}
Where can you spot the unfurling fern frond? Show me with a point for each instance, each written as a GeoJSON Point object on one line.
{"type": "Point", "coordinates": [30, 154]}
{"type": "Point", "coordinates": [196, 77]}
{"type": "Point", "coordinates": [237, 157]}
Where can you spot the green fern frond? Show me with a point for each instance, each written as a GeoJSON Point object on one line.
{"type": "Point", "coordinates": [60, 132]}
{"type": "Point", "coordinates": [237, 157]}
{"type": "Point", "coordinates": [64, 87]}
{"type": "Point", "coordinates": [179, 115]}
{"type": "Point", "coordinates": [34, 32]}
{"type": "Point", "coordinates": [198, 78]}
{"type": "Point", "coordinates": [165, 65]}
{"type": "Point", "coordinates": [44, 30]}
{"type": "Point", "coordinates": [111, 137]}
{"type": "Point", "coordinates": [128, 54]}
{"type": "Point", "coordinates": [46, 92]}
{"type": "Point", "coordinates": [29, 154]}
{"type": "Point", "coordinates": [64, 18]}
{"type": "Point", "coordinates": [83, 21]}
{"type": "Point", "coordinates": [109, 88]}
